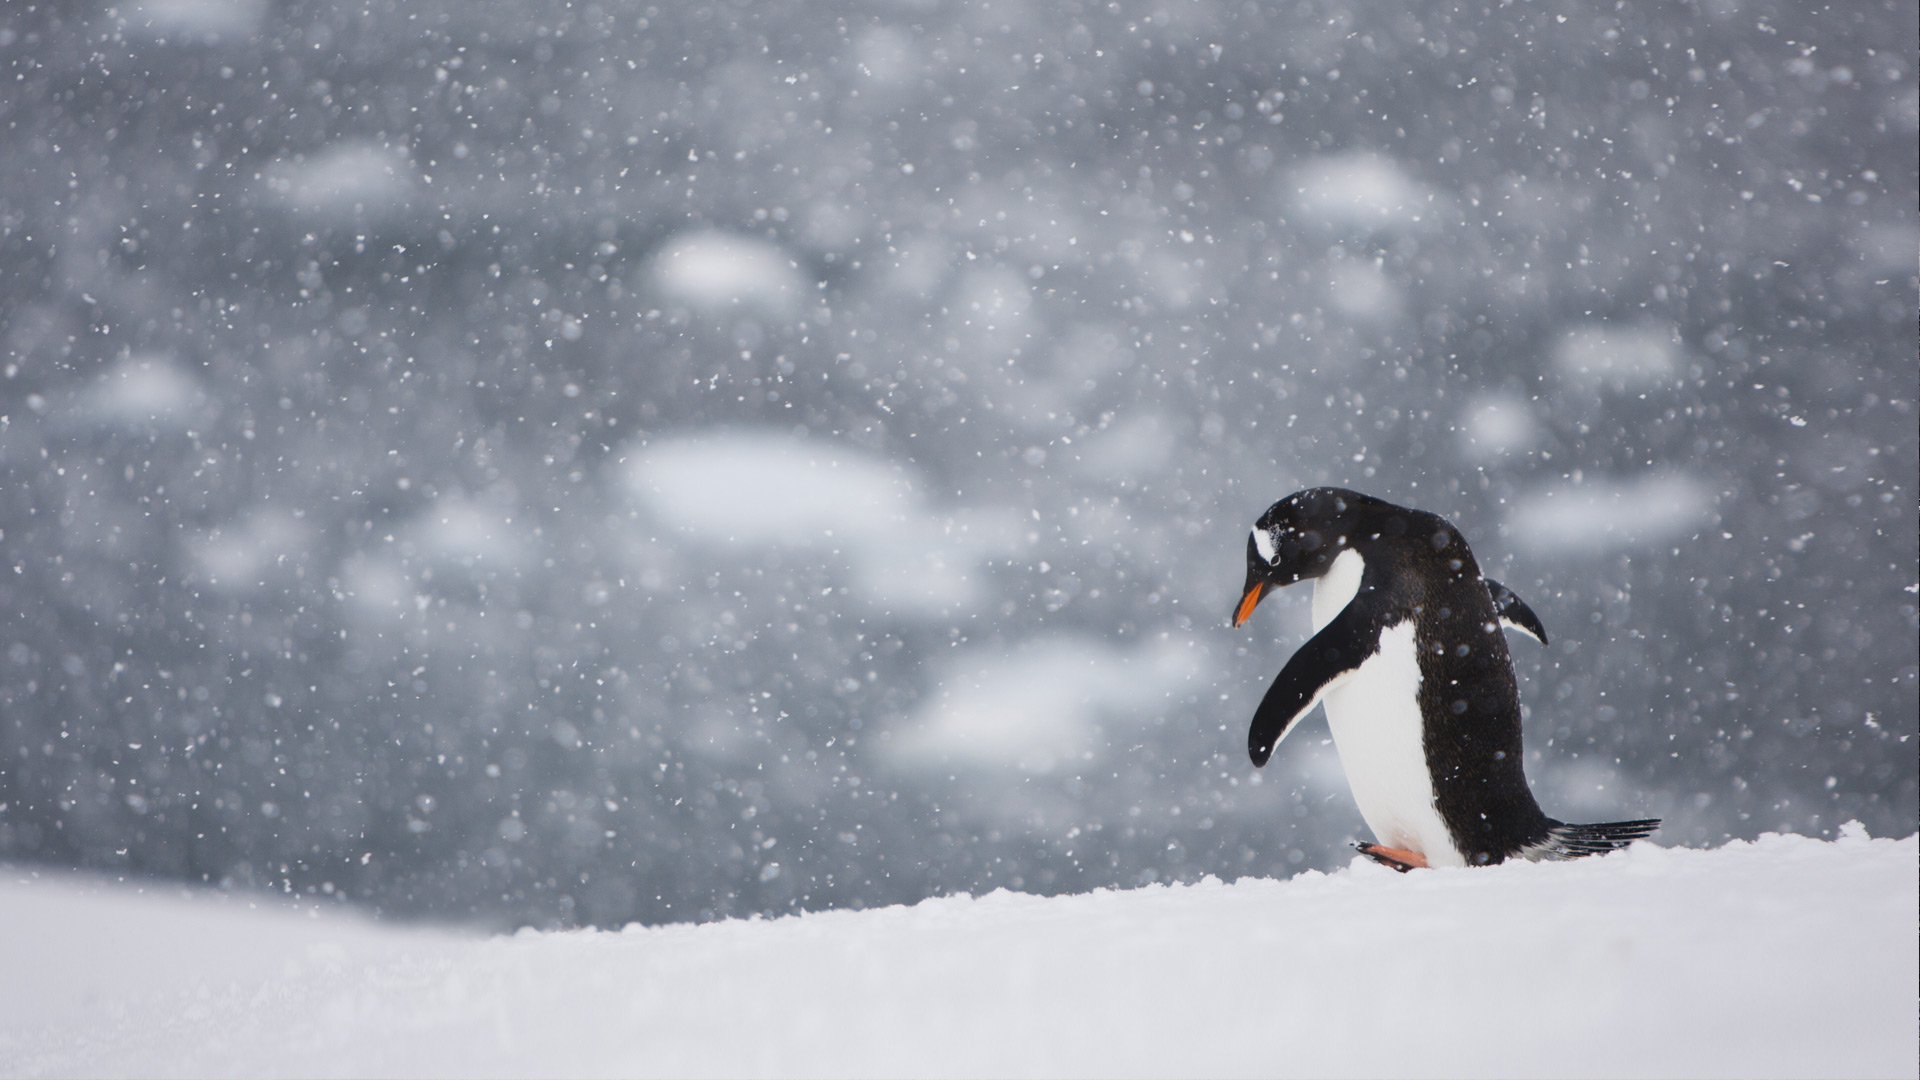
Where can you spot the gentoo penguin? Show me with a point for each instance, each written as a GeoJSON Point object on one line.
{"type": "Point", "coordinates": [1409, 658]}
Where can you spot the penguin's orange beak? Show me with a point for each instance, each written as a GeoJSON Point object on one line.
{"type": "Point", "coordinates": [1250, 601]}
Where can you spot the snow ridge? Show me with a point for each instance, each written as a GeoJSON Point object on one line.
{"type": "Point", "coordinates": [1789, 956]}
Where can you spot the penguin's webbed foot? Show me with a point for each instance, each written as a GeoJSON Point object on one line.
{"type": "Point", "coordinates": [1393, 858]}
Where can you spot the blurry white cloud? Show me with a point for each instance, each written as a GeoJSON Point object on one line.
{"type": "Point", "coordinates": [1886, 245]}
{"type": "Point", "coordinates": [244, 553]}
{"type": "Point", "coordinates": [193, 18]}
{"type": "Point", "coordinates": [1361, 290]}
{"type": "Point", "coordinates": [912, 266]}
{"type": "Point", "coordinates": [356, 178]}
{"type": "Point", "coordinates": [1498, 424]}
{"type": "Point", "coordinates": [1038, 706]}
{"type": "Point", "coordinates": [1597, 516]}
{"type": "Point", "coordinates": [769, 490]}
{"type": "Point", "coordinates": [141, 391]}
{"type": "Point", "coordinates": [1358, 190]}
{"type": "Point", "coordinates": [766, 489]}
{"type": "Point", "coordinates": [717, 271]}
{"type": "Point", "coordinates": [995, 301]}
{"type": "Point", "coordinates": [1131, 449]}
{"type": "Point", "coordinates": [833, 225]}
{"type": "Point", "coordinates": [1625, 357]}
{"type": "Point", "coordinates": [467, 532]}
{"type": "Point", "coordinates": [887, 56]}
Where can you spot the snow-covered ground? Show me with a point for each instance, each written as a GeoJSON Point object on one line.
{"type": "Point", "coordinates": [1786, 957]}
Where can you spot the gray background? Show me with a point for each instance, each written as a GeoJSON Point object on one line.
{"type": "Point", "coordinates": [336, 336]}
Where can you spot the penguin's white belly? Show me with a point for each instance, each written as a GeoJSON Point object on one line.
{"type": "Point", "coordinates": [1374, 712]}
{"type": "Point", "coordinates": [1375, 716]}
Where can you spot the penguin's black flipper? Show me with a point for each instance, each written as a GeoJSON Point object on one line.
{"type": "Point", "coordinates": [1514, 611]}
{"type": "Point", "coordinates": [1336, 651]}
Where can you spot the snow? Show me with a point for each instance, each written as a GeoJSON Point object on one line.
{"type": "Point", "coordinates": [1785, 957]}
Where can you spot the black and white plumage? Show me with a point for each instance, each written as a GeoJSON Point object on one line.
{"type": "Point", "coordinates": [1409, 659]}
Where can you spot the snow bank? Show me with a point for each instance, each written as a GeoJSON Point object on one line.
{"type": "Point", "coordinates": [1787, 957]}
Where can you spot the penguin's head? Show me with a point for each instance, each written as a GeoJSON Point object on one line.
{"type": "Point", "coordinates": [1298, 538]}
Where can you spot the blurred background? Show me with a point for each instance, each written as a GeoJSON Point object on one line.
{"type": "Point", "coordinates": [566, 463]}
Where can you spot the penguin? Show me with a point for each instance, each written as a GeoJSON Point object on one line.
{"type": "Point", "coordinates": [1409, 657]}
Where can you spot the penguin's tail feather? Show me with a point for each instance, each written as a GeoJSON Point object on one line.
{"type": "Point", "coordinates": [1578, 841]}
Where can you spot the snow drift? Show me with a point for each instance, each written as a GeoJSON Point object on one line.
{"type": "Point", "coordinates": [1786, 957]}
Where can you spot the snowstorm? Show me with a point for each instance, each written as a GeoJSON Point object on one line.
{"type": "Point", "coordinates": [566, 464]}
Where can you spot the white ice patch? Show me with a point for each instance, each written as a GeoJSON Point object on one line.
{"type": "Point", "coordinates": [142, 391]}
{"type": "Point", "coordinates": [1498, 425]}
{"type": "Point", "coordinates": [1039, 707]}
{"type": "Point", "coordinates": [767, 490]}
{"type": "Point", "coordinates": [1598, 516]}
{"type": "Point", "coordinates": [353, 179]}
{"type": "Point", "coordinates": [1621, 356]}
{"type": "Point", "coordinates": [718, 271]}
{"type": "Point", "coordinates": [1358, 190]}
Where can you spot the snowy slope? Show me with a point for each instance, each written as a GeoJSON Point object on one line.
{"type": "Point", "coordinates": [1789, 957]}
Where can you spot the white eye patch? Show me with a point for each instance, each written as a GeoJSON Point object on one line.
{"type": "Point", "coordinates": [1263, 543]}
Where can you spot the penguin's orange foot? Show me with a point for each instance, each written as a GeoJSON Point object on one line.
{"type": "Point", "coordinates": [1395, 858]}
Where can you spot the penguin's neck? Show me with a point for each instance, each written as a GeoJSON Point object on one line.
{"type": "Point", "coordinates": [1335, 589]}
